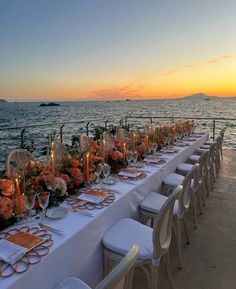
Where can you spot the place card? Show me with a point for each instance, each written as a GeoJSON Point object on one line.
{"type": "Point", "coordinates": [15, 246]}
{"type": "Point", "coordinates": [128, 173]}
{"type": "Point", "coordinates": [94, 196]}
{"type": "Point", "coordinates": [153, 159]}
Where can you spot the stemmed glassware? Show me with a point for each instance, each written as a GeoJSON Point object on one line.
{"type": "Point", "coordinates": [106, 169]}
{"type": "Point", "coordinates": [129, 157]}
{"type": "Point", "coordinates": [154, 146]}
{"type": "Point", "coordinates": [98, 172]}
{"type": "Point", "coordinates": [135, 156]}
{"type": "Point", "coordinates": [29, 201]}
{"type": "Point", "coordinates": [43, 198]}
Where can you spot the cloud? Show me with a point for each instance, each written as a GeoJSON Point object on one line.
{"type": "Point", "coordinates": [213, 61]}
{"type": "Point", "coordinates": [118, 91]}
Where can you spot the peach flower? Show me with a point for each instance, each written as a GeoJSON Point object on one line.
{"type": "Point", "coordinates": [6, 208]}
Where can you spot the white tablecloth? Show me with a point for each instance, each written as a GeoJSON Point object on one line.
{"type": "Point", "coordinates": [79, 252]}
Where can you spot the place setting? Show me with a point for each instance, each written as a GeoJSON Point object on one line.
{"type": "Point", "coordinates": [22, 247]}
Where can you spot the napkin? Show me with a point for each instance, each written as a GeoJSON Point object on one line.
{"type": "Point", "coordinates": [10, 252]}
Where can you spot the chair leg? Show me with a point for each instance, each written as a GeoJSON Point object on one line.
{"type": "Point", "coordinates": [203, 192]}
{"type": "Point", "coordinates": [179, 241]}
{"type": "Point", "coordinates": [221, 152]}
{"type": "Point", "coordinates": [168, 269]}
{"type": "Point", "coordinates": [207, 180]}
{"type": "Point", "coordinates": [199, 204]}
{"type": "Point", "coordinates": [129, 279]}
{"type": "Point", "coordinates": [194, 209]}
{"type": "Point", "coordinates": [154, 277]}
{"type": "Point", "coordinates": [186, 232]}
{"type": "Point", "coordinates": [105, 265]}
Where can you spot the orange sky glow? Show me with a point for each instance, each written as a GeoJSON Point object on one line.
{"type": "Point", "coordinates": [84, 50]}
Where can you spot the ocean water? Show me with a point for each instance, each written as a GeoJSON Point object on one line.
{"type": "Point", "coordinates": [30, 113]}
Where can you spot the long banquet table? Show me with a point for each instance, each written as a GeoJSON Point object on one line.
{"type": "Point", "coordinates": [79, 252]}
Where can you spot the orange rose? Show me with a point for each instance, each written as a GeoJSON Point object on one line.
{"type": "Point", "coordinates": [75, 163]}
{"type": "Point", "coordinates": [6, 208]}
{"type": "Point", "coordinates": [6, 187]}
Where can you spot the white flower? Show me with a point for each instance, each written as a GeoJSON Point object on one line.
{"type": "Point", "coordinates": [60, 185]}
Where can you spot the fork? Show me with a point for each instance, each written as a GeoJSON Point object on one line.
{"type": "Point", "coordinates": [49, 228]}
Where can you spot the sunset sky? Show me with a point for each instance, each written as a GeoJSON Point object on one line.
{"type": "Point", "coordinates": [99, 49]}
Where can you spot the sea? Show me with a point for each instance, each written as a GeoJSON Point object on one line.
{"type": "Point", "coordinates": [45, 121]}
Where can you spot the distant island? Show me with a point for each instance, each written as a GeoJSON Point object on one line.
{"type": "Point", "coordinates": [49, 104]}
{"type": "Point", "coordinates": [200, 96]}
{"type": "Point", "coordinates": [3, 101]}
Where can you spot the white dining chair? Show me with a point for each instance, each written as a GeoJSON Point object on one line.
{"type": "Point", "coordinates": [152, 203]}
{"type": "Point", "coordinates": [199, 189]}
{"type": "Point", "coordinates": [121, 275]}
{"type": "Point", "coordinates": [153, 243]}
{"type": "Point", "coordinates": [17, 161]}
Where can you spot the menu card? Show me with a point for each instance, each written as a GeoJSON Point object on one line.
{"type": "Point", "coordinates": [153, 159]}
{"type": "Point", "coordinates": [94, 196]}
{"type": "Point", "coordinates": [130, 173]}
{"type": "Point", "coordinates": [170, 151]}
{"type": "Point", "coordinates": [15, 246]}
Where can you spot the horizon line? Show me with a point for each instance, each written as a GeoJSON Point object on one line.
{"type": "Point", "coordinates": [109, 99]}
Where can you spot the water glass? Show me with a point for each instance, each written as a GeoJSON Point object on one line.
{"type": "Point", "coordinates": [43, 198]}
{"type": "Point", "coordinates": [129, 157]}
{"type": "Point", "coordinates": [98, 172]}
{"type": "Point", "coordinates": [29, 201]}
{"type": "Point", "coordinates": [154, 146]}
{"type": "Point", "coordinates": [135, 156]}
{"type": "Point", "coordinates": [106, 169]}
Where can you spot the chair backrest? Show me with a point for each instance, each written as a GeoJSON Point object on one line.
{"type": "Point", "coordinates": [184, 199]}
{"type": "Point", "coordinates": [203, 162]}
{"type": "Point", "coordinates": [123, 271]}
{"type": "Point", "coordinates": [222, 133]}
{"type": "Point", "coordinates": [212, 155]}
{"type": "Point", "coordinates": [219, 141]}
{"type": "Point", "coordinates": [17, 161]}
{"type": "Point", "coordinates": [162, 228]}
{"type": "Point", "coordinates": [59, 150]}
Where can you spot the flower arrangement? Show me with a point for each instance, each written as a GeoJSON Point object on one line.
{"type": "Point", "coordinates": [115, 157]}
{"type": "Point", "coordinates": [71, 172]}
{"type": "Point", "coordinates": [7, 191]}
{"type": "Point", "coordinates": [6, 198]}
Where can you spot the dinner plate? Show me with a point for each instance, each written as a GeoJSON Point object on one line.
{"type": "Point", "coordinates": [57, 212]}
{"type": "Point", "coordinates": [138, 165]}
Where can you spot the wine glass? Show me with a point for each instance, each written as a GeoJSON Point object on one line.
{"type": "Point", "coordinates": [106, 169]}
{"type": "Point", "coordinates": [129, 157]}
{"type": "Point", "coordinates": [43, 198]}
{"type": "Point", "coordinates": [135, 156]}
{"type": "Point", "coordinates": [29, 201]}
{"type": "Point", "coordinates": [154, 146]}
{"type": "Point", "coordinates": [98, 172]}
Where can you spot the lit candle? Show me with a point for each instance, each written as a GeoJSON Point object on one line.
{"type": "Point", "coordinates": [87, 168]}
{"type": "Point", "coordinates": [147, 141]}
{"type": "Point", "coordinates": [53, 168]}
{"type": "Point", "coordinates": [134, 142]}
{"type": "Point", "coordinates": [103, 150]}
{"type": "Point", "coordinates": [124, 151]}
{"type": "Point", "coordinates": [19, 198]}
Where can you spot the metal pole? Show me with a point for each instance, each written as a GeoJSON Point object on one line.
{"type": "Point", "coordinates": [22, 145]}
{"type": "Point", "coordinates": [87, 128]}
{"type": "Point", "coordinates": [214, 128]}
{"type": "Point", "coordinates": [61, 133]}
